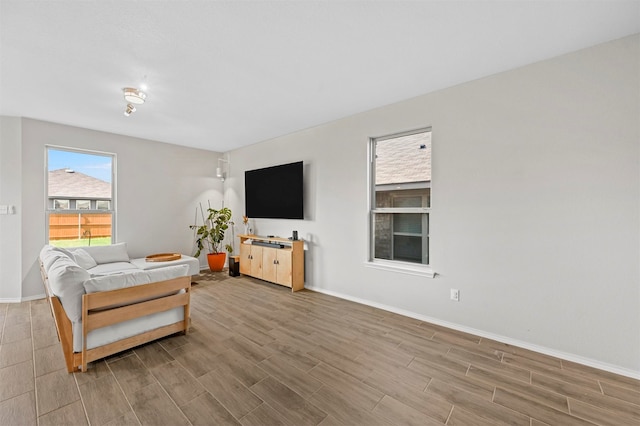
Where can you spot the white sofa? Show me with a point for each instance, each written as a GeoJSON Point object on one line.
{"type": "Point", "coordinates": [103, 302]}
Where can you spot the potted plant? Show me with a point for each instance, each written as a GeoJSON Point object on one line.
{"type": "Point", "coordinates": [210, 236]}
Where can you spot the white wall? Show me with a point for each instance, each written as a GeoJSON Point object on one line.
{"type": "Point", "coordinates": [157, 190]}
{"type": "Point", "coordinates": [536, 195]}
{"type": "Point", "coordinates": [10, 195]}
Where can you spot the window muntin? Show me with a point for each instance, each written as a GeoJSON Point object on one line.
{"type": "Point", "coordinates": [401, 193]}
{"type": "Point", "coordinates": [82, 184]}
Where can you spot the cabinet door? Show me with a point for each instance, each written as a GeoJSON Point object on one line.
{"type": "Point", "coordinates": [283, 273]}
{"type": "Point", "coordinates": [269, 266]}
{"type": "Point", "coordinates": [256, 261]}
{"type": "Point", "coordinates": [245, 259]}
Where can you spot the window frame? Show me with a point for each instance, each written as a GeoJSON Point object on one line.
{"type": "Point", "coordinates": [412, 268]}
{"type": "Point", "coordinates": [50, 209]}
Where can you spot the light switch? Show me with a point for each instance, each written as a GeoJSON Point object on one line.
{"type": "Point", "coordinates": [4, 209]}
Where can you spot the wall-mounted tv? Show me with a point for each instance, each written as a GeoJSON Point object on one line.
{"type": "Point", "coordinates": [275, 192]}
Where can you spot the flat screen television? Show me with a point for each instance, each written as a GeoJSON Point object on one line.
{"type": "Point", "coordinates": [274, 192]}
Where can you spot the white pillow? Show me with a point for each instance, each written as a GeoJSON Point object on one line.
{"type": "Point", "coordinates": [49, 254]}
{"type": "Point", "coordinates": [108, 254]}
{"type": "Point", "coordinates": [84, 259]}
{"type": "Point", "coordinates": [65, 279]}
{"type": "Point", "coordinates": [131, 279]}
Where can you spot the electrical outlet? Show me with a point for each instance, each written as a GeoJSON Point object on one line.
{"type": "Point", "coordinates": [455, 295]}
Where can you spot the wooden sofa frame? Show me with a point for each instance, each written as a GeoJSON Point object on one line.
{"type": "Point", "coordinates": [106, 308]}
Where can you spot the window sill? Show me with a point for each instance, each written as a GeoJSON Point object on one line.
{"type": "Point", "coordinates": [402, 267]}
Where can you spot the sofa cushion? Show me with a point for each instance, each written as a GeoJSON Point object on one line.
{"type": "Point", "coordinates": [49, 254]}
{"type": "Point", "coordinates": [66, 279]}
{"type": "Point", "coordinates": [84, 259]}
{"type": "Point", "coordinates": [194, 264]}
{"type": "Point", "coordinates": [134, 278]}
{"type": "Point", "coordinates": [111, 268]}
{"type": "Point", "coordinates": [108, 254]}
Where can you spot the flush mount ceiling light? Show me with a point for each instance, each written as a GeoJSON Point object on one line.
{"type": "Point", "coordinates": [129, 110]}
{"type": "Point", "coordinates": [134, 96]}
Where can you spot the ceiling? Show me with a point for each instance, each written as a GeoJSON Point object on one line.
{"type": "Point", "coordinates": [225, 74]}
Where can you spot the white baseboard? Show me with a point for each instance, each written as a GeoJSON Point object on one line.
{"type": "Point", "coordinates": [503, 339]}
{"type": "Point", "coordinates": [22, 299]}
{"type": "Point", "coordinates": [36, 297]}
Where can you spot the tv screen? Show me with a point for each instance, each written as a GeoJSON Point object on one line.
{"type": "Point", "coordinates": [274, 192]}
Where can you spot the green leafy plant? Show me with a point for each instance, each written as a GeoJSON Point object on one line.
{"type": "Point", "coordinates": [210, 235]}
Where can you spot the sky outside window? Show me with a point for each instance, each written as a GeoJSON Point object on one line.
{"type": "Point", "coordinates": [97, 166]}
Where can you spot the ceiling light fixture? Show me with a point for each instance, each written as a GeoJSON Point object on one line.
{"type": "Point", "coordinates": [130, 109]}
{"type": "Point", "coordinates": [134, 96]}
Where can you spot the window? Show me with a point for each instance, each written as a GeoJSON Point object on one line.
{"type": "Point", "coordinates": [83, 204]}
{"type": "Point", "coordinates": [61, 204]}
{"type": "Point", "coordinates": [82, 184]}
{"type": "Point", "coordinates": [400, 182]}
{"type": "Point", "coordinates": [103, 204]}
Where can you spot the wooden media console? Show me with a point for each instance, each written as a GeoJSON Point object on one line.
{"type": "Point", "coordinates": [280, 261]}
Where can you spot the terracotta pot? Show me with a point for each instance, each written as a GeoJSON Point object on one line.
{"type": "Point", "coordinates": [216, 261]}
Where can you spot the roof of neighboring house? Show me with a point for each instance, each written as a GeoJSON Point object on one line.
{"type": "Point", "coordinates": [65, 183]}
{"type": "Point", "coordinates": [401, 160]}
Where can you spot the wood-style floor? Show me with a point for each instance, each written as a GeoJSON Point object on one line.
{"type": "Point", "coordinates": [260, 355]}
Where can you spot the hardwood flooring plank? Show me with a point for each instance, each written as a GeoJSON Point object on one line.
{"type": "Point", "coordinates": [476, 405]}
{"type": "Point", "coordinates": [579, 393]}
{"type": "Point", "coordinates": [196, 359]}
{"type": "Point", "coordinates": [429, 404]}
{"type": "Point", "coordinates": [16, 352]}
{"type": "Point", "coordinates": [72, 414]}
{"type": "Point", "coordinates": [103, 400]}
{"type": "Point", "coordinates": [336, 405]}
{"type": "Point", "coordinates": [263, 415]}
{"type": "Point", "coordinates": [153, 407]}
{"type": "Point", "coordinates": [16, 332]}
{"type": "Point", "coordinates": [598, 415]}
{"type": "Point", "coordinates": [541, 395]}
{"type": "Point", "coordinates": [534, 409]}
{"type": "Point", "coordinates": [16, 380]}
{"type": "Point", "coordinates": [206, 410]}
{"type": "Point", "coordinates": [48, 359]}
{"type": "Point", "coordinates": [461, 417]}
{"type": "Point", "coordinates": [397, 412]}
{"type": "Point", "coordinates": [177, 382]}
{"type": "Point", "coordinates": [621, 392]}
{"type": "Point", "coordinates": [357, 392]}
{"type": "Point", "coordinates": [131, 374]}
{"type": "Point", "coordinates": [291, 406]}
{"type": "Point", "coordinates": [45, 336]}
{"type": "Point", "coordinates": [339, 361]}
{"type": "Point", "coordinates": [491, 364]}
{"type": "Point", "coordinates": [232, 394]}
{"type": "Point", "coordinates": [297, 380]}
{"type": "Point", "coordinates": [247, 349]}
{"type": "Point", "coordinates": [153, 355]}
{"type": "Point", "coordinates": [241, 368]}
{"type": "Point", "coordinates": [55, 390]}
{"type": "Point", "coordinates": [294, 354]}
{"type": "Point", "coordinates": [19, 410]}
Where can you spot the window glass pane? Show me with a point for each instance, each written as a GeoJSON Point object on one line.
{"type": "Point", "coordinates": [83, 204]}
{"type": "Point", "coordinates": [79, 229]}
{"type": "Point", "coordinates": [403, 164]}
{"type": "Point", "coordinates": [102, 205]}
{"type": "Point", "coordinates": [61, 204]}
{"type": "Point", "coordinates": [401, 236]}
{"type": "Point", "coordinates": [407, 248]}
{"type": "Point", "coordinates": [407, 223]}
